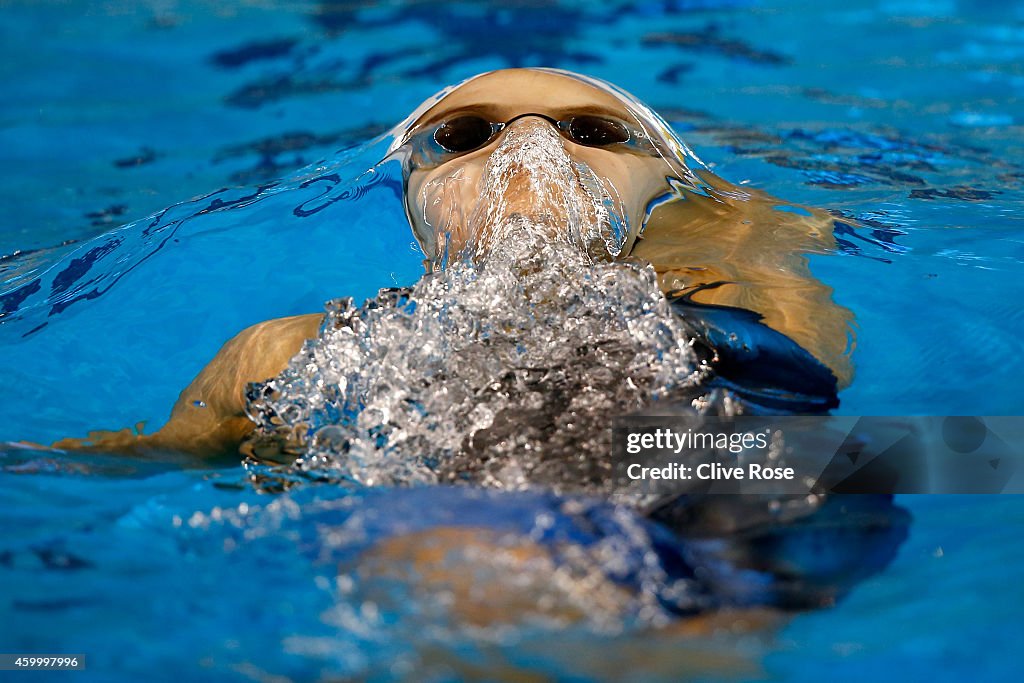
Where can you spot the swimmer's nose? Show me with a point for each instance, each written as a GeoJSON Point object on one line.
{"type": "Point", "coordinates": [531, 124]}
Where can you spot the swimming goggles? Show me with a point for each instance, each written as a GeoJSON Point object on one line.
{"type": "Point", "coordinates": [465, 133]}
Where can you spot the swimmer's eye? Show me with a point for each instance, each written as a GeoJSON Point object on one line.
{"type": "Point", "coordinates": [463, 134]}
{"type": "Point", "coordinates": [595, 131]}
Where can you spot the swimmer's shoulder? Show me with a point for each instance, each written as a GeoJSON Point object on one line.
{"type": "Point", "coordinates": [209, 416]}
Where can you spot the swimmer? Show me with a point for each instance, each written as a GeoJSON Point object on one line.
{"type": "Point", "coordinates": [721, 248]}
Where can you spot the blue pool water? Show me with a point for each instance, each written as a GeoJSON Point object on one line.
{"type": "Point", "coordinates": [121, 122]}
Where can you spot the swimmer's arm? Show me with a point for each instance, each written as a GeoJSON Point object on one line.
{"type": "Point", "coordinates": [209, 417]}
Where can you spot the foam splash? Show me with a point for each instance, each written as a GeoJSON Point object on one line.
{"type": "Point", "coordinates": [503, 372]}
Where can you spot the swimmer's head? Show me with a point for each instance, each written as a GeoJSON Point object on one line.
{"type": "Point", "coordinates": [570, 156]}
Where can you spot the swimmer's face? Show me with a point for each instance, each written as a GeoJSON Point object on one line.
{"type": "Point", "coordinates": [565, 155]}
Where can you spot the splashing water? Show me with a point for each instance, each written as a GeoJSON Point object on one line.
{"type": "Point", "coordinates": [504, 372]}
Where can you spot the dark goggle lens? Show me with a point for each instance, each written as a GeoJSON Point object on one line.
{"type": "Point", "coordinates": [595, 131]}
{"type": "Point", "coordinates": [463, 134]}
